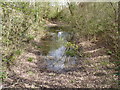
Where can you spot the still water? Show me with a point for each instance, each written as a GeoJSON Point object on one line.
{"type": "Point", "coordinates": [54, 49]}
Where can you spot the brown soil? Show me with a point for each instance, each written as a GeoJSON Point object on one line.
{"type": "Point", "coordinates": [94, 70]}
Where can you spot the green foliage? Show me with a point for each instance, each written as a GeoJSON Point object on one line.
{"type": "Point", "coordinates": [9, 59]}
{"type": "Point", "coordinates": [18, 52]}
{"type": "Point", "coordinates": [30, 72]}
{"type": "Point", "coordinates": [71, 53]}
{"type": "Point", "coordinates": [72, 81]}
{"type": "Point", "coordinates": [30, 59]}
{"type": "Point", "coordinates": [71, 45]}
{"type": "Point", "coordinates": [72, 49]}
{"type": "Point", "coordinates": [3, 75]}
{"type": "Point", "coordinates": [5, 60]}
{"type": "Point", "coordinates": [53, 14]}
{"type": "Point", "coordinates": [19, 19]}
{"type": "Point", "coordinates": [94, 20]}
{"type": "Point", "coordinates": [116, 62]}
{"type": "Point", "coordinates": [109, 52]}
{"type": "Point", "coordinates": [117, 73]}
{"type": "Point", "coordinates": [97, 18]}
{"type": "Point", "coordinates": [30, 37]}
{"type": "Point", "coordinates": [117, 68]}
{"type": "Point", "coordinates": [39, 46]}
{"type": "Point", "coordinates": [105, 63]}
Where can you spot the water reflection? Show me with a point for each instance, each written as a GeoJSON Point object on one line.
{"type": "Point", "coordinates": [56, 59]}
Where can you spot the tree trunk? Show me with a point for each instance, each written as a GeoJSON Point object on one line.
{"type": "Point", "coordinates": [69, 6]}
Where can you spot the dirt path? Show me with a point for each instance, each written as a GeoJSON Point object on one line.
{"type": "Point", "coordinates": [94, 71]}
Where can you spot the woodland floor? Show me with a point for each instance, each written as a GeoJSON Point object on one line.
{"type": "Point", "coordinates": [94, 70]}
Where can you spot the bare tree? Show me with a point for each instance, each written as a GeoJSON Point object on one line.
{"type": "Point", "coordinates": [70, 9]}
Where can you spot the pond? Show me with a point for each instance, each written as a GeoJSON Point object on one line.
{"type": "Point", "coordinates": [54, 49]}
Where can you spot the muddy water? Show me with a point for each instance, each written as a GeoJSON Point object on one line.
{"type": "Point", "coordinates": [54, 50]}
